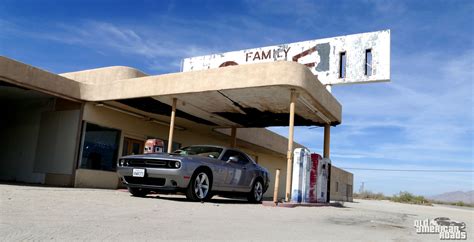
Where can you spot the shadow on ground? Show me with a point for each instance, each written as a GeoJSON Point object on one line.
{"type": "Point", "coordinates": [216, 200]}
{"type": "Point", "coordinates": [222, 200]}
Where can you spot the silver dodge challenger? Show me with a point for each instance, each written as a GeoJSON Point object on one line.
{"type": "Point", "coordinates": [199, 171]}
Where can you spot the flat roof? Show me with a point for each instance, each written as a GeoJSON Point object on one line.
{"type": "Point", "coordinates": [255, 95]}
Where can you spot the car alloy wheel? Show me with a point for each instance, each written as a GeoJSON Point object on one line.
{"type": "Point", "coordinates": [258, 191]}
{"type": "Point", "coordinates": [201, 185]}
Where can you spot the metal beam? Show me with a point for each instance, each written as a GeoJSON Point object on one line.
{"type": "Point", "coordinates": [173, 115]}
{"type": "Point", "coordinates": [289, 154]}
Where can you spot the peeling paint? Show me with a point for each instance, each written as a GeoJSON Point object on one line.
{"type": "Point", "coordinates": [321, 56]}
{"type": "Point", "coordinates": [323, 50]}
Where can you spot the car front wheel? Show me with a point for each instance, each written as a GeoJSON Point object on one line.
{"type": "Point", "coordinates": [138, 192]}
{"type": "Point", "coordinates": [199, 188]}
{"type": "Point", "coordinates": [256, 195]}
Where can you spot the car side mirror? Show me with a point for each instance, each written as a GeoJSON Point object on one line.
{"type": "Point", "coordinates": [233, 159]}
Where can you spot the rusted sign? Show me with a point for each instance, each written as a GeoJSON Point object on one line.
{"type": "Point", "coordinates": [356, 58]}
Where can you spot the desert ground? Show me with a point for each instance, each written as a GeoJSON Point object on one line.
{"type": "Point", "coordinates": [52, 213]}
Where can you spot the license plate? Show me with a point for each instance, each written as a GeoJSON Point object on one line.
{"type": "Point", "coordinates": [139, 172]}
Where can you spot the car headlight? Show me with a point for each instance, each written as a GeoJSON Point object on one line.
{"type": "Point", "coordinates": [174, 164]}
{"type": "Point", "coordinates": [123, 162]}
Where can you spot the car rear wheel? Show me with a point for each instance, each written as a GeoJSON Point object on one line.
{"type": "Point", "coordinates": [138, 192]}
{"type": "Point", "coordinates": [199, 188]}
{"type": "Point", "coordinates": [256, 195]}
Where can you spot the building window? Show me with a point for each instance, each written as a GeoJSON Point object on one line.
{"type": "Point", "coordinates": [342, 65]}
{"type": "Point", "coordinates": [337, 186]}
{"type": "Point", "coordinates": [100, 148]}
{"type": "Point", "coordinates": [132, 146]}
{"type": "Point", "coordinates": [368, 62]}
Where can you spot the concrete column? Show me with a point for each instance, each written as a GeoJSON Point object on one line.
{"type": "Point", "coordinates": [233, 137]}
{"type": "Point", "coordinates": [327, 139]}
{"type": "Point", "coordinates": [289, 154]}
{"type": "Point", "coordinates": [173, 115]}
{"type": "Point", "coordinates": [277, 186]}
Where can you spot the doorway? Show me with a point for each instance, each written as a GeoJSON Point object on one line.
{"type": "Point", "coordinates": [39, 135]}
{"type": "Point", "coordinates": [132, 146]}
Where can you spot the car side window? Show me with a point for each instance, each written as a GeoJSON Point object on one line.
{"type": "Point", "coordinates": [242, 158]}
{"type": "Point", "coordinates": [228, 154]}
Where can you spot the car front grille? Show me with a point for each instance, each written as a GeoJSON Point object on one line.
{"type": "Point", "coordinates": [147, 163]}
{"type": "Point", "coordinates": [145, 180]}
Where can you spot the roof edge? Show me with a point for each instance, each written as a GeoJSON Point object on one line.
{"type": "Point", "coordinates": [104, 75]}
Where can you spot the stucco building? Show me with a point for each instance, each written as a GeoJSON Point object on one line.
{"type": "Point", "coordinates": [69, 129]}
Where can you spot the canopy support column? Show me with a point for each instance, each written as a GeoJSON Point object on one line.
{"type": "Point", "coordinates": [171, 133]}
{"type": "Point", "coordinates": [327, 139]}
{"type": "Point", "coordinates": [233, 137]}
{"type": "Point", "coordinates": [289, 154]}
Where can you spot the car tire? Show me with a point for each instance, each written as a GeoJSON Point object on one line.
{"type": "Point", "coordinates": [199, 188]}
{"type": "Point", "coordinates": [138, 192]}
{"type": "Point", "coordinates": [256, 194]}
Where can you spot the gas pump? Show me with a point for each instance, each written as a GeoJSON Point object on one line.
{"type": "Point", "coordinates": [322, 177]}
{"type": "Point", "coordinates": [301, 172]}
{"type": "Point", "coordinates": [154, 146]}
{"type": "Point", "coordinates": [310, 177]}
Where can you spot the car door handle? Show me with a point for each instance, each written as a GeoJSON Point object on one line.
{"type": "Point", "coordinates": [245, 168]}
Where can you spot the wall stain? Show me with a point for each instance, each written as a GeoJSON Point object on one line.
{"type": "Point", "coordinates": [152, 105]}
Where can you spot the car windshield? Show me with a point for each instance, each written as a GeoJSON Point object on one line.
{"type": "Point", "coordinates": [206, 151]}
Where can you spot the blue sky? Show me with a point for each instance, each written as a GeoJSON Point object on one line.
{"type": "Point", "coordinates": [423, 119]}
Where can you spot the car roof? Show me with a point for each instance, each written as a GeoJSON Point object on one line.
{"type": "Point", "coordinates": [215, 146]}
{"type": "Point", "coordinates": [225, 149]}
{"type": "Point", "coordinates": [218, 146]}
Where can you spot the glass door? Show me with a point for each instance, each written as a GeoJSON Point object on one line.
{"type": "Point", "coordinates": [132, 146]}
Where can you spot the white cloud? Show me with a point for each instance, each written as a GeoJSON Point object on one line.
{"type": "Point", "coordinates": [300, 8]}
{"type": "Point", "coordinates": [154, 46]}
{"type": "Point", "coordinates": [127, 40]}
{"type": "Point", "coordinates": [432, 107]}
{"type": "Point", "coordinates": [163, 42]}
{"type": "Point", "coordinates": [423, 119]}
{"type": "Point", "coordinates": [388, 6]}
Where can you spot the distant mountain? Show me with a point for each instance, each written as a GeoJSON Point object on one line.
{"type": "Point", "coordinates": [465, 197]}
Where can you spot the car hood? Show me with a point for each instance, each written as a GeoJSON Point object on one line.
{"type": "Point", "coordinates": [167, 156]}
